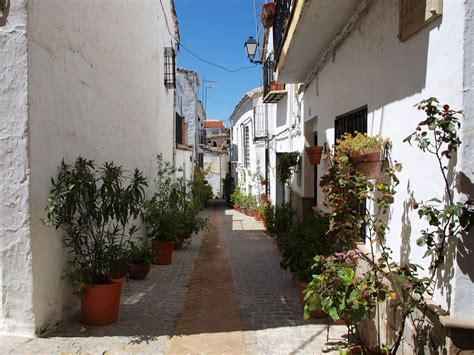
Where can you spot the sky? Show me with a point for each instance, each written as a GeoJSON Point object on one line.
{"type": "Point", "coordinates": [216, 31]}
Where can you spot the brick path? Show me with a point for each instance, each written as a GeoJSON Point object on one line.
{"type": "Point", "coordinates": [227, 295]}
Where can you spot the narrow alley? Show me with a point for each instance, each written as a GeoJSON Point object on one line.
{"type": "Point", "coordinates": [225, 293]}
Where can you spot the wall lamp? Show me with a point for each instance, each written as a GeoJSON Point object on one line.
{"type": "Point", "coordinates": [251, 48]}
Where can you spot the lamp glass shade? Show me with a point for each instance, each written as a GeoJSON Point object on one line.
{"type": "Point", "coordinates": [251, 47]}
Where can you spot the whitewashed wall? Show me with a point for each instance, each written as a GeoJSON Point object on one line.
{"type": "Point", "coordinates": [16, 294]}
{"type": "Point", "coordinates": [374, 68]}
{"type": "Point", "coordinates": [218, 165]}
{"type": "Point", "coordinates": [184, 160]}
{"type": "Point", "coordinates": [94, 80]}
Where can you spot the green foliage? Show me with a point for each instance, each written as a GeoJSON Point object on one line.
{"type": "Point", "coordinates": [202, 191]}
{"type": "Point", "coordinates": [280, 219]}
{"type": "Point", "coordinates": [286, 166]}
{"type": "Point", "coordinates": [438, 136]}
{"type": "Point", "coordinates": [359, 144]}
{"type": "Point", "coordinates": [140, 253]}
{"type": "Point", "coordinates": [96, 207]}
{"type": "Point", "coordinates": [229, 186]}
{"type": "Point", "coordinates": [303, 241]}
{"type": "Point", "coordinates": [237, 197]}
{"type": "Point", "coordinates": [263, 205]}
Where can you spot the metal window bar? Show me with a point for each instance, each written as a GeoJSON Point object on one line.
{"type": "Point", "coordinates": [268, 67]}
{"type": "Point", "coordinates": [246, 146]}
{"type": "Point", "coordinates": [353, 122]}
{"type": "Point", "coordinates": [170, 68]}
{"type": "Point", "coordinates": [282, 18]}
{"type": "Point", "coordinates": [259, 122]}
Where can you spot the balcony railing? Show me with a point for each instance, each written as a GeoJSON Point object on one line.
{"type": "Point", "coordinates": [272, 92]}
{"type": "Point", "coordinates": [260, 130]}
{"type": "Point", "coordinates": [282, 17]}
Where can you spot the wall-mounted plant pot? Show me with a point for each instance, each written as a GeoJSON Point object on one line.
{"type": "Point", "coordinates": [368, 164]}
{"type": "Point", "coordinates": [139, 271]}
{"type": "Point", "coordinates": [268, 14]}
{"type": "Point", "coordinates": [101, 303]}
{"type": "Point", "coordinates": [274, 86]}
{"type": "Point", "coordinates": [302, 286]}
{"type": "Point", "coordinates": [164, 250]}
{"type": "Point", "coordinates": [314, 154]}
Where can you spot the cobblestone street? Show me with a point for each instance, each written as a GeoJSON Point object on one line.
{"type": "Point", "coordinates": [225, 293]}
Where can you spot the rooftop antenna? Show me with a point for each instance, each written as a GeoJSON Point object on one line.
{"type": "Point", "coordinates": [208, 84]}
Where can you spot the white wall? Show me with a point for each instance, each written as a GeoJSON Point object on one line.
{"type": "Point", "coordinates": [184, 160]}
{"type": "Point", "coordinates": [218, 164]}
{"type": "Point", "coordinates": [96, 89]}
{"type": "Point", "coordinates": [16, 307]}
{"type": "Point", "coordinates": [373, 68]}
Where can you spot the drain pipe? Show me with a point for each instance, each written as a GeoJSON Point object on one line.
{"type": "Point", "coordinates": [335, 44]}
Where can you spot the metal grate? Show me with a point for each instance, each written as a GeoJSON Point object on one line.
{"type": "Point", "coordinates": [352, 122]}
{"type": "Point", "coordinates": [246, 146]}
{"type": "Point", "coordinates": [170, 68]}
{"type": "Point", "coordinates": [282, 18]}
{"type": "Point", "coordinates": [268, 67]}
{"type": "Point", "coordinates": [259, 122]}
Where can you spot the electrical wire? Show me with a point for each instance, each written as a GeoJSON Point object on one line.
{"type": "Point", "coordinates": [196, 55]}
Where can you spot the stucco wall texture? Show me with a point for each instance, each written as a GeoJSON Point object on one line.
{"type": "Point", "coordinates": [93, 88]}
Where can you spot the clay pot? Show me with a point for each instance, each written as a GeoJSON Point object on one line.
{"type": "Point", "coordinates": [101, 303]}
{"type": "Point", "coordinates": [164, 251]}
{"type": "Point", "coordinates": [314, 154]}
{"type": "Point", "coordinates": [257, 216]}
{"type": "Point", "coordinates": [250, 213]}
{"type": "Point", "coordinates": [368, 164]}
{"type": "Point", "coordinates": [302, 286]}
{"type": "Point", "coordinates": [237, 208]}
{"type": "Point", "coordinates": [139, 271]}
{"type": "Point", "coordinates": [274, 86]}
{"type": "Point", "coordinates": [268, 14]}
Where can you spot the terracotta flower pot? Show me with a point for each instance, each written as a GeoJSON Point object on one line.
{"type": "Point", "coordinates": [268, 14]}
{"type": "Point", "coordinates": [302, 286]}
{"type": "Point", "coordinates": [257, 216]}
{"type": "Point", "coordinates": [314, 154]}
{"type": "Point", "coordinates": [250, 213]}
{"type": "Point", "coordinates": [237, 208]}
{"type": "Point", "coordinates": [101, 303]}
{"type": "Point", "coordinates": [165, 252]}
{"type": "Point", "coordinates": [274, 86]}
{"type": "Point", "coordinates": [368, 164]}
{"type": "Point", "coordinates": [139, 271]}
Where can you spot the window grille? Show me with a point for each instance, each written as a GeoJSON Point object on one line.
{"type": "Point", "coordinates": [246, 147]}
{"type": "Point", "coordinates": [352, 122]}
{"type": "Point", "coordinates": [170, 68]}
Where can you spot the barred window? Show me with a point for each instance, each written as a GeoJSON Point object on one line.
{"type": "Point", "coordinates": [170, 68]}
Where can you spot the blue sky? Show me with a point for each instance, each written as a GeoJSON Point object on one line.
{"type": "Point", "coordinates": [216, 31]}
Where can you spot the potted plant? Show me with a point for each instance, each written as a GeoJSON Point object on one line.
{"type": "Point", "coordinates": [190, 224]}
{"type": "Point", "coordinates": [161, 214]}
{"type": "Point", "coordinates": [236, 198]}
{"type": "Point", "coordinates": [301, 244]}
{"type": "Point", "coordinates": [286, 166]}
{"type": "Point", "coordinates": [268, 14]}
{"type": "Point", "coordinates": [229, 187]}
{"type": "Point", "coordinates": [364, 152]}
{"type": "Point", "coordinates": [314, 154]}
{"type": "Point", "coordinates": [274, 86]}
{"type": "Point", "coordinates": [96, 208]}
{"type": "Point", "coordinates": [140, 258]}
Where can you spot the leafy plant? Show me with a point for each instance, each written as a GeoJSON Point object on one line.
{"type": "Point", "coordinates": [96, 207]}
{"type": "Point", "coordinates": [286, 166]}
{"type": "Point", "coordinates": [280, 219]}
{"type": "Point", "coordinates": [201, 190]}
{"type": "Point", "coordinates": [303, 241]}
{"type": "Point", "coordinates": [360, 143]}
{"type": "Point", "coordinates": [141, 253]}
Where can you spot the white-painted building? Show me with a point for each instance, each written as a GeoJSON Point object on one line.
{"type": "Point", "coordinates": [216, 163]}
{"type": "Point", "coordinates": [362, 65]}
{"type": "Point", "coordinates": [75, 79]}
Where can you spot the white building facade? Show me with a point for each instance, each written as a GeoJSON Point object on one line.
{"type": "Point", "coordinates": [100, 88]}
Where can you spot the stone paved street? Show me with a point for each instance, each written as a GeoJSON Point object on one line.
{"type": "Point", "coordinates": [224, 294]}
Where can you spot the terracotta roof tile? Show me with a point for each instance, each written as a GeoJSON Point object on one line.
{"type": "Point", "coordinates": [214, 124]}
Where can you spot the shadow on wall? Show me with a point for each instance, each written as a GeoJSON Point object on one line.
{"type": "Point", "coordinates": [465, 247]}
{"type": "Point", "coordinates": [405, 247]}
{"type": "Point", "coordinates": [407, 62]}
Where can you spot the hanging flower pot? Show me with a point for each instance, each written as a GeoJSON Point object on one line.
{"type": "Point", "coordinates": [100, 303]}
{"type": "Point", "coordinates": [268, 14]}
{"type": "Point", "coordinates": [314, 154]}
{"type": "Point", "coordinates": [369, 164]}
{"type": "Point", "coordinates": [164, 250]}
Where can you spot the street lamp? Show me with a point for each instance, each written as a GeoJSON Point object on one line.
{"type": "Point", "coordinates": [251, 49]}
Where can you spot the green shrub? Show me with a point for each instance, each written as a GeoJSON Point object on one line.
{"type": "Point", "coordinates": [280, 219]}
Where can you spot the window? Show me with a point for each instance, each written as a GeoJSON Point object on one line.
{"type": "Point", "coordinates": [352, 122]}
{"type": "Point", "coordinates": [259, 122]}
{"type": "Point", "coordinates": [170, 68]}
{"type": "Point", "coordinates": [246, 147]}
{"type": "Point", "coordinates": [179, 129]}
